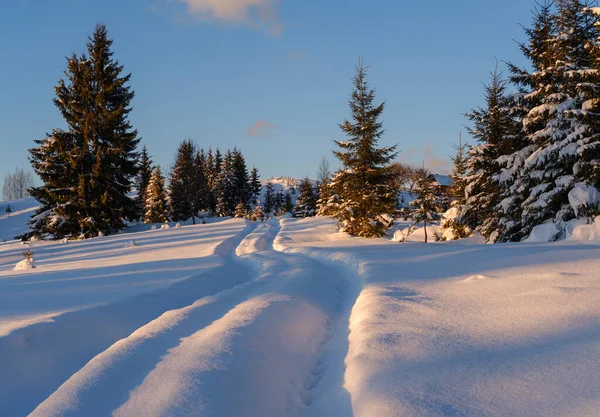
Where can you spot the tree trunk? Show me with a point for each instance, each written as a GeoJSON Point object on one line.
{"type": "Point", "coordinates": [425, 223]}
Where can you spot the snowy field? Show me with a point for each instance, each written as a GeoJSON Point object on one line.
{"type": "Point", "coordinates": [291, 318]}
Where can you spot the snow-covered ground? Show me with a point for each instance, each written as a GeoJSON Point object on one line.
{"type": "Point", "coordinates": [291, 318]}
{"type": "Point", "coordinates": [15, 223]}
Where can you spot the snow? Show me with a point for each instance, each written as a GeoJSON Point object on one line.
{"type": "Point", "coordinates": [25, 264]}
{"type": "Point", "coordinates": [583, 195]}
{"type": "Point", "coordinates": [15, 223]}
{"type": "Point", "coordinates": [292, 318]}
{"type": "Point", "coordinates": [543, 233]}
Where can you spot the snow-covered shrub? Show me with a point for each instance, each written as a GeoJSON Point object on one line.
{"type": "Point", "coordinates": [27, 262]}
{"type": "Point", "coordinates": [542, 233]}
{"type": "Point", "coordinates": [585, 200]}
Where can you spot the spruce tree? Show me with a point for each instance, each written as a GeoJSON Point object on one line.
{"type": "Point", "coordinates": [269, 200]}
{"type": "Point", "coordinates": [156, 199]}
{"type": "Point", "coordinates": [561, 145]}
{"type": "Point", "coordinates": [183, 185]}
{"type": "Point", "coordinates": [497, 131]}
{"type": "Point", "coordinates": [306, 201]}
{"type": "Point", "coordinates": [255, 185]}
{"type": "Point", "coordinates": [459, 172]}
{"type": "Point", "coordinates": [288, 205]}
{"type": "Point", "coordinates": [243, 192]}
{"type": "Point", "coordinates": [240, 210]}
{"type": "Point", "coordinates": [96, 154]}
{"type": "Point", "coordinates": [363, 186]}
{"type": "Point", "coordinates": [201, 186]}
{"type": "Point", "coordinates": [227, 187]}
{"type": "Point", "coordinates": [426, 204]}
{"type": "Point", "coordinates": [212, 180]}
{"type": "Point", "coordinates": [145, 169]}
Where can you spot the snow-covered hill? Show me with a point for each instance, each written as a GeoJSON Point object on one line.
{"type": "Point", "coordinates": [291, 318]}
{"type": "Point", "coordinates": [15, 223]}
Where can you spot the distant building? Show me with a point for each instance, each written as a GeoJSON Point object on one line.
{"type": "Point", "coordinates": [442, 184]}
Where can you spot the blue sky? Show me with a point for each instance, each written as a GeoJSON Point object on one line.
{"type": "Point", "coordinates": [270, 77]}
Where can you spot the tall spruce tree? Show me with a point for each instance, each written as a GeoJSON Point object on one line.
{"type": "Point", "coordinates": [459, 172]}
{"type": "Point", "coordinates": [201, 185]}
{"type": "Point", "coordinates": [269, 200]}
{"type": "Point", "coordinates": [99, 148]}
{"type": "Point", "coordinates": [145, 169]}
{"type": "Point", "coordinates": [156, 199]}
{"type": "Point", "coordinates": [561, 145]}
{"type": "Point", "coordinates": [243, 192]}
{"type": "Point", "coordinates": [366, 197]}
{"type": "Point", "coordinates": [497, 131]}
{"type": "Point", "coordinates": [183, 185]}
{"type": "Point", "coordinates": [255, 186]}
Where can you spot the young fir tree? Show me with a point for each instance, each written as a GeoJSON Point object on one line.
{"type": "Point", "coordinates": [201, 185]}
{"type": "Point", "coordinates": [145, 169]}
{"type": "Point", "coordinates": [240, 210]}
{"type": "Point", "coordinates": [323, 180]}
{"type": "Point", "coordinates": [366, 197]}
{"type": "Point", "coordinates": [288, 204]}
{"type": "Point", "coordinates": [269, 203]}
{"type": "Point", "coordinates": [453, 218]}
{"type": "Point", "coordinates": [306, 201]}
{"type": "Point", "coordinates": [243, 192]}
{"type": "Point", "coordinates": [227, 196]}
{"type": "Point", "coordinates": [426, 204]}
{"type": "Point", "coordinates": [497, 131]}
{"type": "Point", "coordinates": [255, 186]}
{"type": "Point", "coordinates": [156, 199]}
{"type": "Point", "coordinates": [96, 154]}
{"type": "Point", "coordinates": [212, 182]}
{"type": "Point", "coordinates": [257, 214]}
{"type": "Point", "coordinates": [183, 185]}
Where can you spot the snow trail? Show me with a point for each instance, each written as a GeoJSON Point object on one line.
{"type": "Point", "coordinates": [41, 356]}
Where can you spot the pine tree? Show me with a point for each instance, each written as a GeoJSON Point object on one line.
{"type": "Point", "coordinates": [425, 205]}
{"type": "Point", "coordinates": [145, 169]}
{"type": "Point", "coordinates": [240, 210]}
{"type": "Point", "coordinates": [201, 185]}
{"type": "Point", "coordinates": [363, 187]}
{"type": "Point", "coordinates": [459, 172]}
{"type": "Point", "coordinates": [96, 155]}
{"type": "Point", "coordinates": [323, 181]}
{"type": "Point", "coordinates": [306, 201]}
{"type": "Point", "coordinates": [183, 185]}
{"type": "Point", "coordinates": [257, 214]}
{"type": "Point", "coordinates": [255, 186]}
{"type": "Point", "coordinates": [561, 143]}
{"type": "Point", "coordinates": [156, 199]}
{"type": "Point", "coordinates": [243, 192]}
{"type": "Point", "coordinates": [269, 203]}
{"type": "Point", "coordinates": [227, 188]}
{"type": "Point", "coordinates": [497, 132]}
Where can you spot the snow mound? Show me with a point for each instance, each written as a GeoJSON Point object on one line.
{"type": "Point", "coordinates": [583, 195]}
{"type": "Point", "coordinates": [165, 226]}
{"type": "Point", "coordinates": [399, 236]}
{"type": "Point", "coordinates": [25, 264]}
{"type": "Point", "coordinates": [543, 233]}
{"type": "Point", "coordinates": [476, 277]}
{"type": "Point", "coordinates": [131, 244]}
{"type": "Point", "coordinates": [587, 232]}
{"type": "Point", "coordinates": [177, 226]}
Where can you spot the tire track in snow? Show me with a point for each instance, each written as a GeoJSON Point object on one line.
{"type": "Point", "coordinates": [41, 357]}
{"type": "Point", "coordinates": [104, 383]}
{"type": "Point", "coordinates": [324, 394]}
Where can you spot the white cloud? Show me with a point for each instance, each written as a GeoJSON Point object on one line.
{"type": "Point", "coordinates": [260, 127]}
{"type": "Point", "coordinates": [254, 13]}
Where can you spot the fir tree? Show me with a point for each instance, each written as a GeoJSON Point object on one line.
{"type": "Point", "coordinates": [288, 205]}
{"type": "Point", "coordinates": [183, 185]}
{"type": "Point", "coordinates": [323, 180]}
{"type": "Point", "coordinates": [240, 210]}
{"type": "Point", "coordinates": [306, 201]}
{"type": "Point", "coordinates": [212, 181]}
{"type": "Point", "coordinates": [145, 169]}
{"type": "Point", "coordinates": [363, 187]}
{"type": "Point", "coordinates": [96, 156]}
{"type": "Point", "coordinates": [242, 181]}
{"type": "Point", "coordinates": [156, 199]}
{"type": "Point", "coordinates": [269, 203]}
{"type": "Point", "coordinates": [257, 214]}
{"type": "Point", "coordinates": [255, 186]}
{"type": "Point", "coordinates": [425, 205]}
{"type": "Point", "coordinates": [561, 143]}
{"type": "Point", "coordinates": [227, 188]}
{"type": "Point", "coordinates": [459, 172]}
{"type": "Point", "coordinates": [497, 131]}
{"type": "Point", "coordinates": [201, 185]}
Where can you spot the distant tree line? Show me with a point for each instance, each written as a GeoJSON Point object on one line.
{"type": "Point", "coordinates": [16, 185]}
